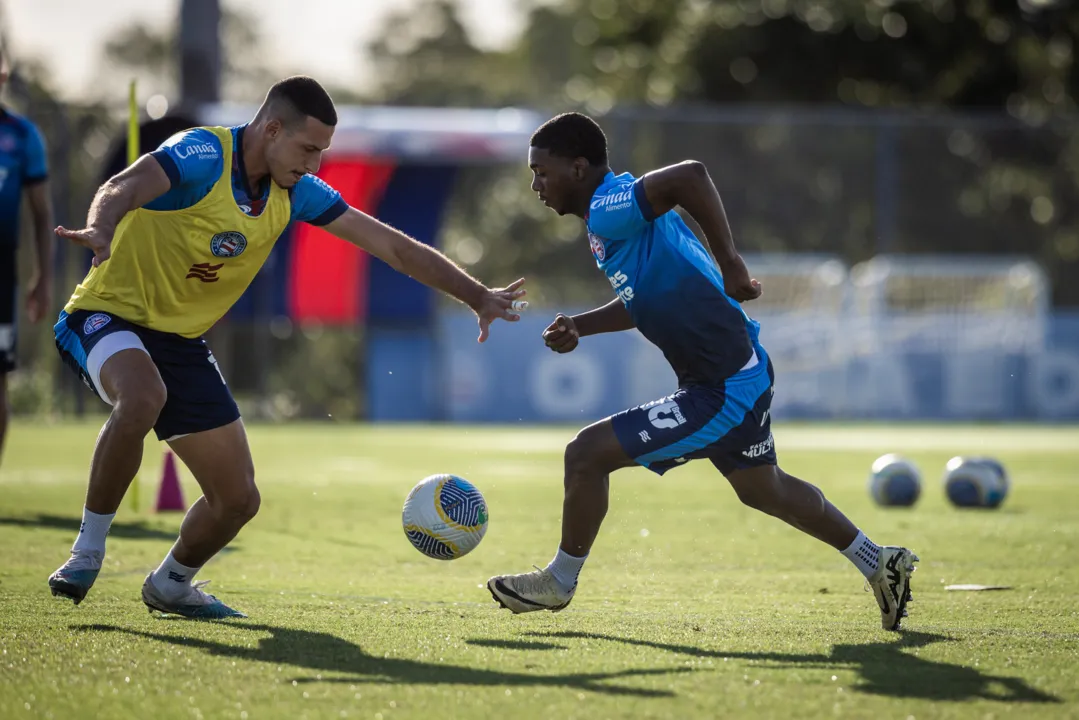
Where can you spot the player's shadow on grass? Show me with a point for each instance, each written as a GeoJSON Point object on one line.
{"type": "Point", "coordinates": [884, 668]}
{"type": "Point", "coordinates": [129, 530]}
{"type": "Point", "coordinates": [327, 653]}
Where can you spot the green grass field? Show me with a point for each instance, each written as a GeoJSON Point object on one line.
{"type": "Point", "coordinates": [691, 605]}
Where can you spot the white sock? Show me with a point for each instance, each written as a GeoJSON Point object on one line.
{"type": "Point", "coordinates": [566, 568]}
{"type": "Point", "coordinates": [171, 578]}
{"type": "Point", "coordinates": [92, 532]}
{"type": "Point", "coordinates": [865, 554]}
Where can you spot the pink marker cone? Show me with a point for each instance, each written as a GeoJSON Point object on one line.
{"type": "Point", "coordinates": [169, 495]}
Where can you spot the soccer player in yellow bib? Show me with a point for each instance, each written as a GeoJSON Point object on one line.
{"type": "Point", "coordinates": [177, 237]}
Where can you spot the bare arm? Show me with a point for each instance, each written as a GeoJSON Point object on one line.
{"type": "Point", "coordinates": [612, 317]}
{"type": "Point", "coordinates": [426, 265]}
{"type": "Point", "coordinates": [41, 215]}
{"type": "Point", "coordinates": [137, 185]}
{"type": "Point", "coordinates": [405, 255]}
{"type": "Point", "coordinates": [565, 332]}
{"type": "Point", "coordinates": [142, 182]}
{"type": "Point", "coordinates": [688, 184]}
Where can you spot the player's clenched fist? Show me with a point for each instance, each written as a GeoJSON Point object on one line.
{"type": "Point", "coordinates": [561, 335]}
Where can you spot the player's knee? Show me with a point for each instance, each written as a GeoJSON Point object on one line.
{"type": "Point", "coordinates": [760, 488]}
{"type": "Point", "coordinates": [239, 506]}
{"type": "Point", "coordinates": [252, 503]}
{"type": "Point", "coordinates": [580, 459]}
{"type": "Point", "coordinates": [762, 499]}
{"type": "Point", "coordinates": [140, 407]}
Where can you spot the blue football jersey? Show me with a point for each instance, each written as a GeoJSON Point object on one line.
{"type": "Point", "coordinates": [669, 283]}
{"type": "Point", "coordinates": [22, 163]}
{"type": "Point", "coordinates": [193, 161]}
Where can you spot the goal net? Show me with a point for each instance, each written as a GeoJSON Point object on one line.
{"type": "Point", "coordinates": [949, 304]}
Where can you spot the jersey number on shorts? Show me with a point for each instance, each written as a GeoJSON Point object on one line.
{"type": "Point", "coordinates": [666, 415]}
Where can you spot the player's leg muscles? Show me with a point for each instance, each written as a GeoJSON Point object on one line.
{"type": "Point", "coordinates": [220, 460]}
{"type": "Point", "coordinates": [589, 460]}
{"type": "Point", "coordinates": [122, 372]}
{"type": "Point", "coordinates": [799, 504]}
{"type": "Point", "coordinates": [131, 381]}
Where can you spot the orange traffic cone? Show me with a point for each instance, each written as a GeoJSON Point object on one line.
{"type": "Point", "coordinates": [169, 495]}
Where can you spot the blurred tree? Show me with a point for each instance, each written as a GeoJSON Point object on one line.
{"type": "Point", "coordinates": [495, 225]}
{"type": "Point", "coordinates": [424, 56]}
{"type": "Point", "coordinates": [970, 53]}
{"type": "Point", "coordinates": [967, 185]}
{"type": "Point", "coordinates": [151, 55]}
{"type": "Point", "coordinates": [793, 183]}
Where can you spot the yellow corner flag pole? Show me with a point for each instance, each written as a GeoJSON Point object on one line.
{"type": "Point", "coordinates": [132, 156]}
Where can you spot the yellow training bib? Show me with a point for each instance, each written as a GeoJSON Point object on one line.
{"type": "Point", "coordinates": [179, 271]}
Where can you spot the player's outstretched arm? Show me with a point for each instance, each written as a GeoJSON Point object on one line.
{"type": "Point", "coordinates": [429, 266]}
{"type": "Point", "coordinates": [688, 184]}
{"type": "Point", "coordinates": [142, 182]}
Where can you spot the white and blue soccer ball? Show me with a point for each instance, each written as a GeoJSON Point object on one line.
{"type": "Point", "coordinates": [445, 517]}
{"type": "Point", "coordinates": [978, 482]}
{"type": "Point", "coordinates": [895, 481]}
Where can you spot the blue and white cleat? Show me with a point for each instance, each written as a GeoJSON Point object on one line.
{"type": "Point", "coordinates": [75, 577]}
{"type": "Point", "coordinates": [195, 604]}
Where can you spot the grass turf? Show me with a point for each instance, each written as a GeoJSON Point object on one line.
{"type": "Point", "coordinates": [690, 605]}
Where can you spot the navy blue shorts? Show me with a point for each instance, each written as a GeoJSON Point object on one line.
{"type": "Point", "coordinates": [8, 300]}
{"type": "Point", "coordinates": [729, 424]}
{"type": "Point", "coordinates": [198, 398]}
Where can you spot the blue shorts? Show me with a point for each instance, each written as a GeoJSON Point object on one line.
{"type": "Point", "coordinates": [729, 424]}
{"type": "Point", "coordinates": [198, 398]}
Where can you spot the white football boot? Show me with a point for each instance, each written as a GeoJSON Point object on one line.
{"type": "Point", "coordinates": [76, 576]}
{"type": "Point", "coordinates": [529, 592]}
{"type": "Point", "coordinates": [195, 603]}
{"type": "Point", "coordinates": [891, 584]}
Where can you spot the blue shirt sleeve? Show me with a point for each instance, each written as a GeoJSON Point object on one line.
{"type": "Point", "coordinates": [316, 203]}
{"type": "Point", "coordinates": [36, 168]}
{"type": "Point", "coordinates": [191, 158]}
{"type": "Point", "coordinates": [621, 214]}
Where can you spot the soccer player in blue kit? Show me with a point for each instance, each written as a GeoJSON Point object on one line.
{"type": "Point", "coordinates": [23, 171]}
{"type": "Point", "coordinates": [685, 300]}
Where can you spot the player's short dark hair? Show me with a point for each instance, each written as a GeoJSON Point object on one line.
{"type": "Point", "coordinates": [298, 97]}
{"type": "Point", "coordinates": [572, 135]}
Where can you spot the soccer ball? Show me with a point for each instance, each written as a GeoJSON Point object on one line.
{"type": "Point", "coordinates": [975, 482]}
{"type": "Point", "coordinates": [444, 517]}
{"type": "Point", "coordinates": [895, 481]}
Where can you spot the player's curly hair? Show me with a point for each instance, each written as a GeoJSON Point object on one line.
{"type": "Point", "coordinates": [572, 135]}
{"type": "Point", "coordinates": [299, 96]}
